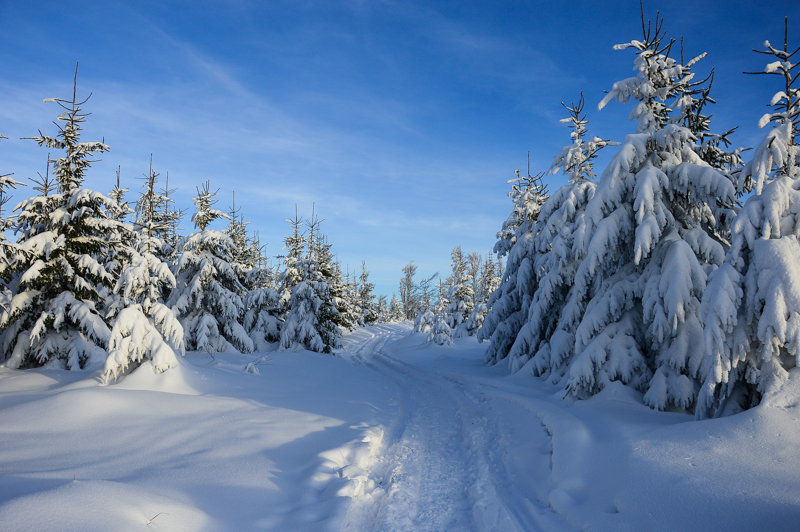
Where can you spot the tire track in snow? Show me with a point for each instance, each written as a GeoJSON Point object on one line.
{"type": "Point", "coordinates": [440, 467]}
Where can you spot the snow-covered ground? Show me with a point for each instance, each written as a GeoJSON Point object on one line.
{"type": "Point", "coordinates": [393, 434]}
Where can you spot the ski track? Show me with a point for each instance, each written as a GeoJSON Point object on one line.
{"type": "Point", "coordinates": [440, 464]}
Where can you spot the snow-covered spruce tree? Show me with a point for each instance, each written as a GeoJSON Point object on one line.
{"type": "Point", "coordinates": [352, 311]}
{"type": "Point", "coordinates": [56, 311]}
{"type": "Point", "coordinates": [751, 308]}
{"type": "Point", "coordinates": [396, 313]}
{"type": "Point", "coordinates": [343, 313]}
{"type": "Point", "coordinates": [262, 317]}
{"type": "Point", "coordinates": [441, 297]}
{"type": "Point", "coordinates": [409, 296]}
{"type": "Point", "coordinates": [293, 270]}
{"type": "Point", "coordinates": [310, 322]}
{"type": "Point", "coordinates": [245, 255]}
{"type": "Point", "coordinates": [366, 300]}
{"type": "Point", "coordinates": [263, 310]}
{"type": "Point", "coordinates": [118, 195]}
{"type": "Point", "coordinates": [424, 321]}
{"type": "Point", "coordinates": [509, 303]}
{"type": "Point", "coordinates": [144, 328]}
{"type": "Point", "coordinates": [208, 295]}
{"type": "Point", "coordinates": [172, 240]}
{"type": "Point", "coordinates": [555, 261]}
{"type": "Point", "coordinates": [425, 316]}
{"type": "Point", "coordinates": [6, 247]}
{"type": "Point", "coordinates": [440, 332]}
{"type": "Point", "coordinates": [425, 291]}
{"type": "Point", "coordinates": [460, 295]}
{"type": "Point", "coordinates": [382, 310]}
{"type": "Point", "coordinates": [293, 273]}
{"type": "Point", "coordinates": [646, 243]}
{"type": "Point", "coordinates": [488, 281]}
{"type": "Point", "coordinates": [152, 223]}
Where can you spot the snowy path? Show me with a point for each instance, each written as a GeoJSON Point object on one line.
{"type": "Point", "coordinates": [441, 465]}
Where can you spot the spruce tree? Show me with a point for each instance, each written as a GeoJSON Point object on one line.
{"type": "Point", "coordinates": [366, 299]}
{"type": "Point", "coordinates": [6, 247]}
{"type": "Point", "coordinates": [208, 297]}
{"type": "Point", "coordinates": [382, 310]}
{"type": "Point", "coordinates": [509, 303]}
{"type": "Point", "coordinates": [460, 295]}
{"type": "Point", "coordinates": [293, 271]}
{"type": "Point", "coordinates": [396, 313]}
{"type": "Point", "coordinates": [118, 195]}
{"type": "Point", "coordinates": [56, 313]}
{"type": "Point", "coordinates": [424, 321]}
{"type": "Point", "coordinates": [555, 262]}
{"type": "Point", "coordinates": [263, 316]}
{"type": "Point", "coordinates": [647, 241]}
{"type": "Point", "coordinates": [311, 319]}
{"type": "Point", "coordinates": [426, 293]}
{"type": "Point", "coordinates": [490, 278]}
{"type": "Point", "coordinates": [172, 218]}
{"type": "Point", "coordinates": [144, 328]}
{"type": "Point", "coordinates": [409, 298]}
{"type": "Point", "coordinates": [440, 332]}
{"type": "Point", "coordinates": [151, 222]}
{"type": "Point", "coordinates": [751, 308]}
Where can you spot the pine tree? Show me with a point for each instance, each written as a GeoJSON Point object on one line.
{"type": "Point", "coordinates": [473, 269]}
{"type": "Point", "coordinates": [208, 297]}
{"type": "Point", "coordinates": [441, 297]}
{"type": "Point", "coordinates": [72, 245]}
{"type": "Point", "coordinates": [488, 281]}
{"type": "Point", "coordinates": [425, 318]}
{"type": "Point", "coordinates": [263, 317]}
{"type": "Point", "coordinates": [528, 194]}
{"type": "Point", "coordinates": [751, 308]}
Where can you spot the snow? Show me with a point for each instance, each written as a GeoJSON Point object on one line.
{"type": "Point", "coordinates": [393, 433]}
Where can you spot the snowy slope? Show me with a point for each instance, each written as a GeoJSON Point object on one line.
{"type": "Point", "coordinates": [393, 434]}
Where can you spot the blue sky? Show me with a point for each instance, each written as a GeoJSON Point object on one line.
{"type": "Point", "coordinates": [401, 121]}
